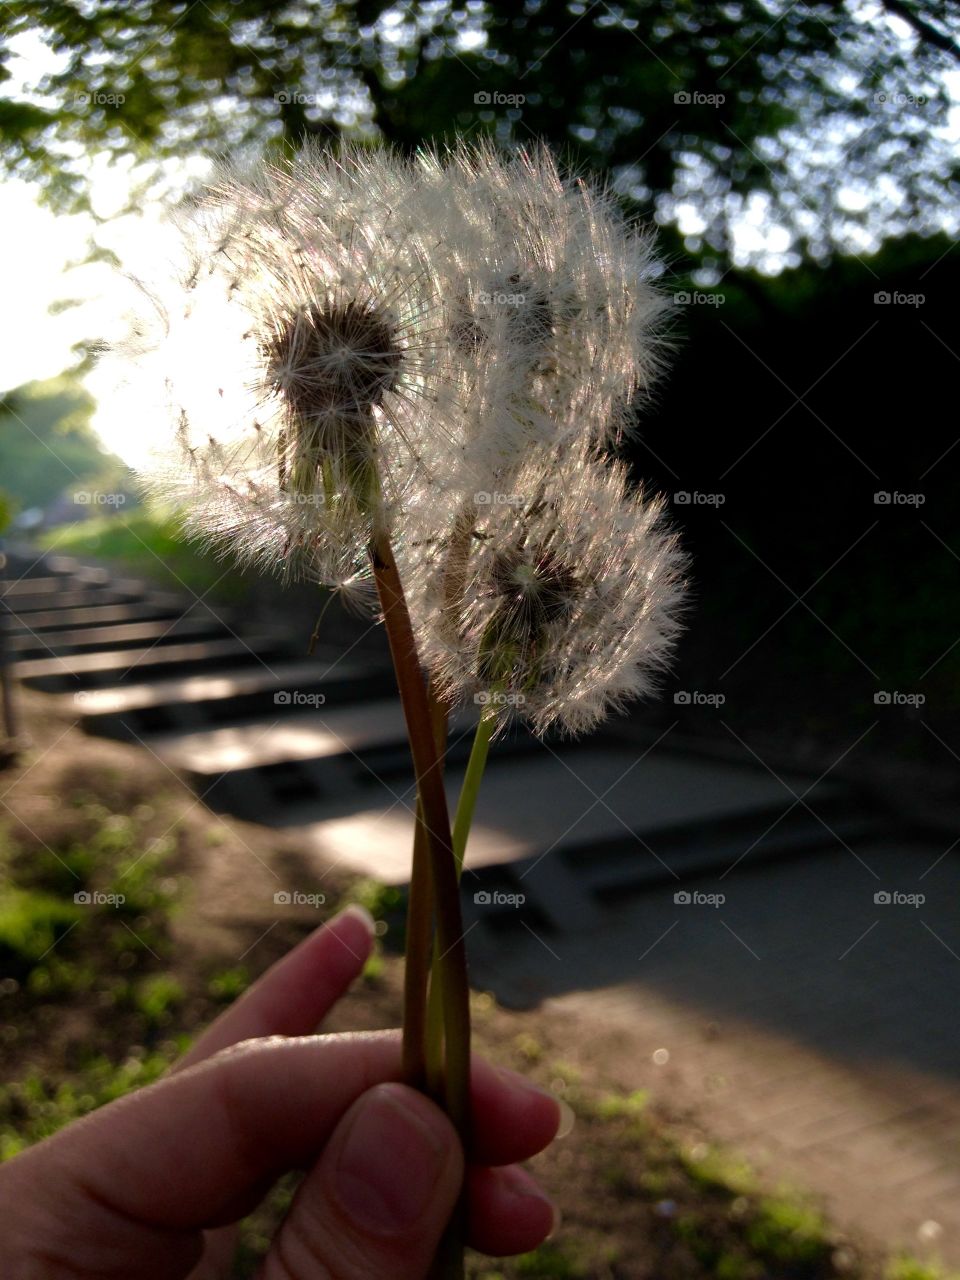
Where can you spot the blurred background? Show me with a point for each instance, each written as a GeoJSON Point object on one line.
{"type": "Point", "coordinates": [767, 850]}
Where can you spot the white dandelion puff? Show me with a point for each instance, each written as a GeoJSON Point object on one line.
{"type": "Point", "coordinates": [557, 604]}
{"type": "Point", "coordinates": [296, 360]}
{"type": "Point", "coordinates": [552, 312]}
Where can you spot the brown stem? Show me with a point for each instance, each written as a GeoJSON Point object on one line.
{"type": "Point", "coordinates": [436, 825]}
{"type": "Point", "coordinates": [416, 969]}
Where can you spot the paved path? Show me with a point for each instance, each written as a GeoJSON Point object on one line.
{"type": "Point", "coordinates": [806, 1024]}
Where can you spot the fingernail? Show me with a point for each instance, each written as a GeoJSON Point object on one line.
{"type": "Point", "coordinates": [361, 914]}
{"type": "Point", "coordinates": [391, 1159]}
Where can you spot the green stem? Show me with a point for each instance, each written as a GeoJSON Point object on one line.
{"type": "Point", "coordinates": [466, 807]}
{"type": "Point", "coordinates": [467, 803]}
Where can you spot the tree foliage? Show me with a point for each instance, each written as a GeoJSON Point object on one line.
{"type": "Point", "coordinates": [47, 444]}
{"type": "Point", "coordinates": [823, 121]}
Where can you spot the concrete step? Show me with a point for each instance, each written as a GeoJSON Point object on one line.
{"type": "Point", "coordinates": [111, 667]}
{"type": "Point", "coordinates": [568, 829]}
{"type": "Point", "coordinates": [60, 565]}
{"type": "Point", "coordinates": [29, 604]}
{"type": "Point", "coordinates": [280, 771]}
{"type": "Point", "coordinates": [275, 689]}
{"type": "Point", "coordinates": [304, 735]}
{"type": "Point", "coordinates": [98, 615]}
{"type": "Point", "coordinates": [25, 562]}
{"type": "Point", "coordinates": [27, 645]}
{"type": "Point", "coordinates": [28, 586]}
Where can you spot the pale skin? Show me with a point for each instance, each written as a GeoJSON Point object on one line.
{"type": "Point", "coordinates": [151, 1185]}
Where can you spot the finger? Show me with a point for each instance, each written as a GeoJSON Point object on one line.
{"type": "Point", "coordinates": [514, 1119]}
{"type": "Point", "coordinates": [265, 1106]}
{"type": "Point", "coordinates": [195, 1149]}
{"type": "Point", "coordinates": [377, 1201]}
{"type": "Point", "coordinates": [508, 1211]}
{"type": "Point", "coordinates": [292, 997]}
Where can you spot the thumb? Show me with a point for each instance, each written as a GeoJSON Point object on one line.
{"type": "Point", "coordinates": [376, 1202]}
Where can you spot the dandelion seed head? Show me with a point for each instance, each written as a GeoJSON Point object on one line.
{"type": "Point", "coordinates": [354, 341]}
{"type": "Point", "coordinates": [558, 608]}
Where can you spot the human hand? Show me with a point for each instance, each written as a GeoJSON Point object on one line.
{"type": "Point", "coordinates": [148, 1185]}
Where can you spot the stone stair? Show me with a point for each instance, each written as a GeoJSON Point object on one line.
{"type": "Point", "coordinates": [315, 744]}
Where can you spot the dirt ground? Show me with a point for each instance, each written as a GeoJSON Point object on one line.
{"type": "Point", "coordinates": [644, 1192]}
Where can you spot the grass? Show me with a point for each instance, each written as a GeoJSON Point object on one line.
{"type": "Point", "coordinates": [904, 1268]}
{"type": "Point", "coordinates": [31, 924]}
{"type": "Point", "coordinates": [36, 1107]}
{"type": "Point", "coordinates": [149, 545]}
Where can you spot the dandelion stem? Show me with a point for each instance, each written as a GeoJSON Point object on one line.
{"type": "Point", "coordinates": [437, 835]}
{"type": "Point", "coordinates": [467, 803]}
{"type": "Point", "coordinates": [466, 807]}
{"type": "Point", "coordinates": [419, 943]}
